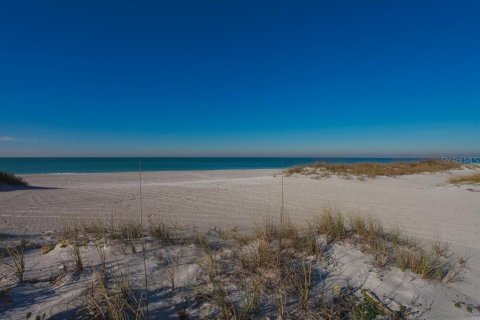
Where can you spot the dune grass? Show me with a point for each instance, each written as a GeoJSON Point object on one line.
{"type": "Point", "coordinates": [470, 179]}
{"type": "Point", "coordinates": [389, 248]}
{"type": "Point", "coordinates": [284, 266]}
{"type": "Point", "coordinates": [332, 224]}
{"type": "Point", "coordinates": [113, 299]}
{"type": "Point", "coordinates": [11, 179]}
{"type": "Point", "coordinates": [269, 241]}
{"type": "Point", "coordinates": [371, 169]}
{"type": "Point", "coordinates": [16, 261]}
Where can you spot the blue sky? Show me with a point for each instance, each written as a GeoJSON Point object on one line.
{"type": "Point", "coordinates": [327, 78]}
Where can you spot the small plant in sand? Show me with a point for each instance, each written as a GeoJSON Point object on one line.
{"type": "Point", "coordinates": [77, 256]}
{"type": "Point", "coordinates": [37, 317]}
{"type": "Point", "coordinates": [102, 257]}
{"type": "Point", "coordinates": [469, 179]}
{"type": "Point", "coordinates": [15, 260]}
{"type": "Point", "coordinates": [47, 248]}
{"type": "Point", "coordinates": [68, 231]}
{"type": "Point", "coordinates": [431, 264]}
{"type": "Point", "coordinates": [305, 288]}
{"type": "Point", "coordinates": [370, 232]}
{"type": "Point", "coordinates": [159, 231]}
{"type": "Point", "coordinates": [311, 242]}
{"type": "Point", "coordinates": [97, 228]}
{"type": "Point", "coordinates": [218, 293]}
{"type": "Point", "coordinates": [75, 250]}
{"type": "Point", "coordinates": [252, 300]}
{"type": "Point", "coordinates": [129, 231]}
{"type": "Point", "coordinates": [331, 224]}
{"type": "Point", "coordinates": [111, 300]}
{"type": "Point", "coordinates": [346, 303]}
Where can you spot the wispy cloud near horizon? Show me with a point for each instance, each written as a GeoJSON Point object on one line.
{"type": "Point", "coordinates": [17, 139]}
{"type": "Point", "coordinates": [6, 139]}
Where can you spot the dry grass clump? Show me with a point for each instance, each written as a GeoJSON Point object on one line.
{"type": "Point", "coordinates": [303, 279]}
{"type": "Point", "coordinates": [266, 230]}
{"type": "Point", "coordinates": [47, 248]}
{"type": "Point", "coordinates": [331, 224]}
{"type": "Point", "coordinates": [110, 295]}
{"type": "Point", "coordinates": [470, 179]}
{"type": "Point", "coordinates": [367, 228]}
{"type": "Point", "coordinates": [72, 235]}
{"type": "Point", "coordinates": [110, 299]}
{"type": "Point", "coordinates": [370, 232]}
{"type": "Point", "coordinates": [76, 253]}
{"type": "Point", "coordinates": [259, 268]}
{"type": "Point", "coordinates": [96, 227]}
{"type": "Point", "coordinates": [159, 231]}
{"type": "Point", "coordinates": [348, 303]}
{"type": "Point", "coordinates": [215, 291]}
{"type": "Point", "coordinates": [279, 264]}
{"type": "Point", "coordinates": [15, 260]}
{"type": "Point", "coordinates": [371, 169]}
{"type": "Point", "coordinates": [431, 264]}
{"type": "Point", "coordinates": [389, 248]}
{"type": "Point", "coordinates": [11, 179]}
{"type": "Point", "coordinates": [129, 229]}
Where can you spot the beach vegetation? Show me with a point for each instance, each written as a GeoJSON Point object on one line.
{"type": "Point", "coordinates": [331, 223]}
{"type": "Point", "coordinates": [111, 299]}
{"type": "Point", "coordinates": [280, 269]}
{"type": "Point", "coordinates": [11, 179]}
{"type": "Point", "coordinates": [128, 229]}
{"type": "Point", "coordinates": [14, 260]}
{"type": "Point", "coordinates": [159, 230]}
{"type": "Point", "coordinates": [47, 248]}
{"type": "Point", "coordinates": [96, 227]}
{"type": "Point", "coordinates": [371, 169]}
{"type": "Point", "coordinates": [77, 255]}
{"type": "Point", "coordinates": [468, 179]}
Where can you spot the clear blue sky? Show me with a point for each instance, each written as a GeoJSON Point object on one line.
{"type": "Point", "coordinates": [239, 78]}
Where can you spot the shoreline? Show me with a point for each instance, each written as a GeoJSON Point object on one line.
{"type": "Point", "coordinates": [146, 172]}
{"type": "Point", "coordinates": [65, 165]}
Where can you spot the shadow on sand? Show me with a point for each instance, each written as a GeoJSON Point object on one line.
{"type": "Point", "coordinates": [8, 188]}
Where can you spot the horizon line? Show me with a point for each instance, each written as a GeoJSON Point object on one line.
{"type": "Point", "coordinates": [426, 156]}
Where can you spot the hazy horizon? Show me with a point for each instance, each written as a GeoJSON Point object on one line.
{"type": "Point", "coordinates": [206, 155]}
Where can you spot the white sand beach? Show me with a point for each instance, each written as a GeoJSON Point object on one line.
{"type": "Point", "coordinates": [425, 206]}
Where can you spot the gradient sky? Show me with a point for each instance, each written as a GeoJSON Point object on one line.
{"type": "Point", "coordinates": [328, 78]}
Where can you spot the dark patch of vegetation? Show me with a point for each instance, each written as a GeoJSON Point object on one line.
{"type": "Point", "coordinates": [11, 179]}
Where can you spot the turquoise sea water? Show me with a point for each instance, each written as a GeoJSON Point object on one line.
{"type": "Point", "coordinates": [94, 165]}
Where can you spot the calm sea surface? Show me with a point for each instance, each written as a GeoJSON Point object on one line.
{"type": "Point", "coordinates": [92, 165]}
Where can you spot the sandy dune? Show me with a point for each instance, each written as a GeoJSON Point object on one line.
{"type": "Point", "coordinates": [425, 206]}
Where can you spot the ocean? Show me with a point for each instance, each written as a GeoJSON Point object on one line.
{"type": "Point", "coordinates": [129, 164]}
